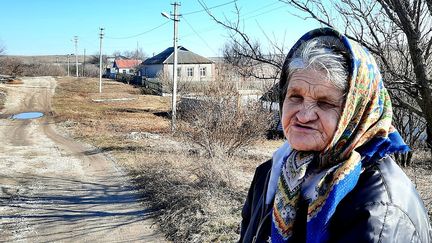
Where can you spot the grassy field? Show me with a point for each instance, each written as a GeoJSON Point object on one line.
{"type": "Point", "coordinates": [198, 199]}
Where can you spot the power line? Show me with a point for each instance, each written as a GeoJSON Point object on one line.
{"type": "Point", "coordinates": [202, 39]}
{"type": "Point", "coordinates": [266, 12]}
{"type": "Point", "coordinates": [205, 8]}
{"type": "Point", "coordinates": [202, 10]}
{"type": "Point", "coordinates": [243, 16]}
{"type": "Point", "coordinates": [142, 33]}
{"type": "Point", "coordinates": [261, 8]}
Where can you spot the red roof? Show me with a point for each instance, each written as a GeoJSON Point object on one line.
{"type": "Point", "coordinates": [121, 63]}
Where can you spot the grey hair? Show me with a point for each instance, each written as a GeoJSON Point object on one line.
{"type": "Point", "coordinates": [324, 53]}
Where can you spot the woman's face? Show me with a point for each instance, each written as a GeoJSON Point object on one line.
{"type": "Point", "coordinates": [311, 110]}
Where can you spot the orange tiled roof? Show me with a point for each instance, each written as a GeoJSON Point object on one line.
{"type": "Point", "coordinates": [127, 63]}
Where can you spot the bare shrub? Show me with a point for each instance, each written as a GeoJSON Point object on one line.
{"type": "Point", "coordinates": [125, 78]}
{"type": "Point", "coordinates": [2, 49]}
{"type": "Point", "coordinates": [43, 70]}
{"type": "Point", "coordinates": [183, 84]}
{"type": "Point", "coordinates": [219, 122]}
{"type": "Point", "coordinates": [91, 71]}
{"type": "Point", "coordinates": [11, 66]}
{"type": "Point", "coordinates": [16, 67]}
{"type": "Point", "coordinates": [214, 172]}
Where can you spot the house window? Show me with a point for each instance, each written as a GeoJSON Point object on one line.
{"type": "Point", "coordinates": [124, 71]}
{"type": "Point", "coordinates": [190, 72]}
{"type": "Point", "coordinates": [179, 71]}
{"type": "Point", "coordinates": [203, 71]}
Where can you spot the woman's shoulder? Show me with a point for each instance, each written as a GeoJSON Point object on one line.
{"type": "Point", "coordinates": [385, 182]}
{"type": "Point", "coordinates": [261, 173]}
{"type": "Point", "coordinates": [264, 167]}
{"type": "Point", "coordinates": [384, 202]}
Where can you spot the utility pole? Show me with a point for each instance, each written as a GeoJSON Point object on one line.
{"type": "Point", "coordinates": [175, 18]}
{"type": "Point", "coordinates": [174, 92]}
{"type": "Point", "coordinates": [83, 67]}
{"type": "Point", "coordinates": [76, 54]}
{"type": "Point", "coordinates": [68, 65]}
{"type": "Point", "coordinates": [100, 60]}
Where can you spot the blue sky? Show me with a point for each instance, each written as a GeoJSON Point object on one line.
{"type": "Point", "coordinates": [47, 27]}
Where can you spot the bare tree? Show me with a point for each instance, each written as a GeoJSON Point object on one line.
{"type": "Point", "coordinates": [397, 32]}
{"type": "Point", "coordinates": [134, 54]}
{"type": "Point", "coordinates": [94, 59]}
{"type": "Point", "coordinates": [2, 49]}
{"type": "Point", "coordinates": [138, 53]}
{"type": "Point", "coordinates": [412, 127]}
{"type": "Point", "coordinates": [246, 54]}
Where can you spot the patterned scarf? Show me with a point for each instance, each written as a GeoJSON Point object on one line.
{"type": "Point", "coordinates": [364, 133]}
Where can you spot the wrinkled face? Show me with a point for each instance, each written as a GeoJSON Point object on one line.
{"type": "Point", "coordinates": [311, 110]}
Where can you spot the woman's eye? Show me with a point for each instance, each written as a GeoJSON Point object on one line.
{"type": "Point", "coordinates": [295, 98]}
{"type": "Point", "coordinates": [325, 105]}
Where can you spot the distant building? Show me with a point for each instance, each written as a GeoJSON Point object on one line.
{"type": "Point", "coordinates": [126, 66]}
{"type": "Point", "coordinates": [120, 64]}
{"type": "Point", "coordinates": [191, 66]}
{"type": "Point", "coordinates": [110, 71]}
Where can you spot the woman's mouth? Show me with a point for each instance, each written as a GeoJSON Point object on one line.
{"type": "Point", "coordinates": [303, 128]}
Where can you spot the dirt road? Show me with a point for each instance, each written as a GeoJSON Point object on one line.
{"type": "Point", "coordinates": [55, 189]}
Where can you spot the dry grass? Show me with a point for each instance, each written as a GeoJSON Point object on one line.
{"type": "Point", "coordinates": [198, 199]}
{"type": "Point", "coordinates": [190, 209]}
{"type": "Point", "coordinates": [78, 102]}
{"type": "Point", "coordinates": [3, 93]}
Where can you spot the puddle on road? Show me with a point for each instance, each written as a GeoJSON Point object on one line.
{"type": "Point", "coordinates": [27, 115]}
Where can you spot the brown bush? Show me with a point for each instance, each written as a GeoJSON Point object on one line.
{"type": "Point", "coordinates": [219, 122]}
{"type": "Point", "coordinates": [11, 66]}
{"type": "Point", "coordinates": [43, 70]}
{"type": "Point", "coordinates": [16, 67]}
{"type": "Point", "coordinates": [91, 70]}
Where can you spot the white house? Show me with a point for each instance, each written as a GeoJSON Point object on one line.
{"type": "Point", "coordinates": [126, 66]}
{"type": "Point", "coordinates": [191, 66]}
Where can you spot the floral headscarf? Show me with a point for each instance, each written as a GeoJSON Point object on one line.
{"type": "Point", "coordinates": [364, 133]}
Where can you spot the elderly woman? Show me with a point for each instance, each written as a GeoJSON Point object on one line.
{"type": "Point", "coordinates": [333, 179]}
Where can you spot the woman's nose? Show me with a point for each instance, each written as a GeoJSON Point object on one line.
{"type": "Point", "coordinates": [306, 114]}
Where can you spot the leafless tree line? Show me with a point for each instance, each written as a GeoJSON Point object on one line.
{"type": "Point", "coordinates": [15, 67]}
{"type": "Point", "coordinates": [2, 49]}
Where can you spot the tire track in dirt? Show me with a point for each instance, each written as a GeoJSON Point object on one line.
{"type": "Point", "coordinates": [53, 189]}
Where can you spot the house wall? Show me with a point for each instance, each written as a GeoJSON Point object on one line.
{"type": "Point", "coordinates": [196, 71]}
{"type": "Point", "coordinates": [151, 71]}
{"type": "Point", "coordinates": [128, 70]}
